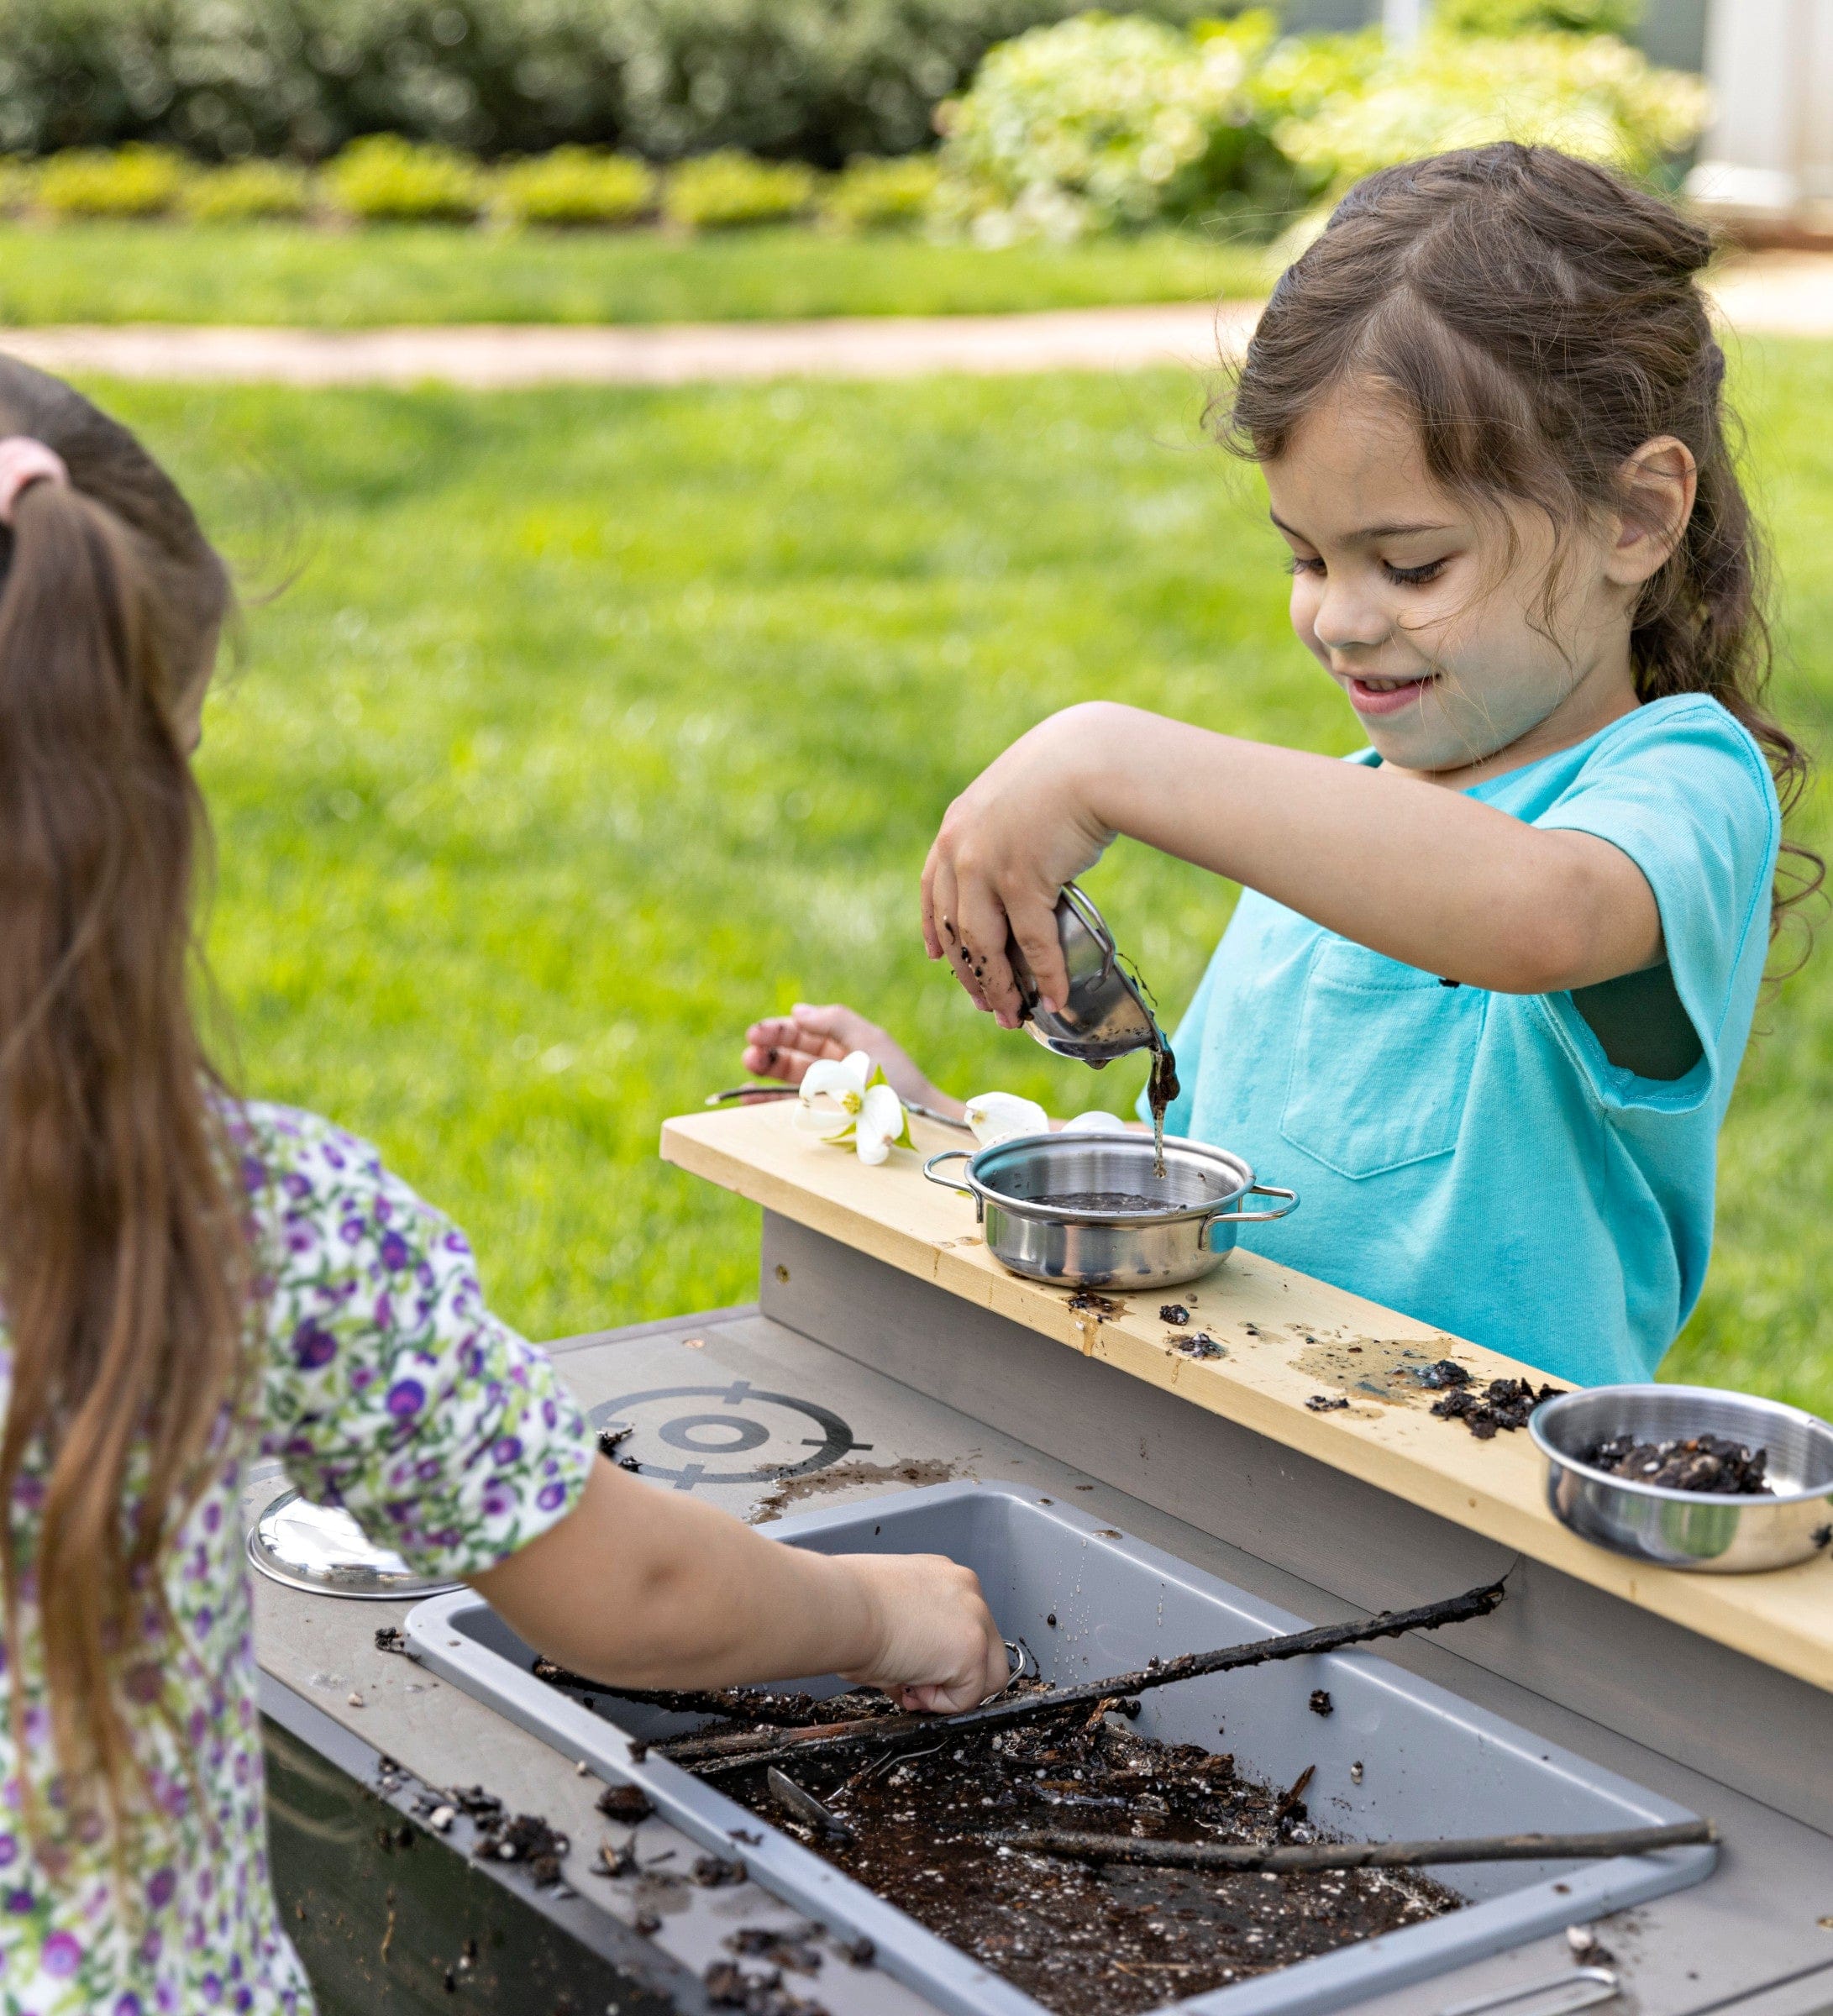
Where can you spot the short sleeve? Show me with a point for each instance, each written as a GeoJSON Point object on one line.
{"type": "Point", "coordinates": [1683, 790]}
{"type": "Point", "coordinates": [388, 1386]}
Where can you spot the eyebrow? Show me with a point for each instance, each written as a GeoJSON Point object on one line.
{"type": "Point", "coordinates": [1364, 534]}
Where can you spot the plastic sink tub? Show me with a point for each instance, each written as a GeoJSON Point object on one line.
{"type": "Point", "coordinates": [1432, 1765]}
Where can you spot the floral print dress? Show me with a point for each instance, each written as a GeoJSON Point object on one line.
{"type": "Point", "coordinates": [385, 1386]}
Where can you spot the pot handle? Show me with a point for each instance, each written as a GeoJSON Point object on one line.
{"type": "Point", "coordinates": [946, 1183]}
{"type": "Point", "coordinates": [1256, 1189]}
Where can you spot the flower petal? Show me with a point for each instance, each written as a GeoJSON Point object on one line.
{"type": "Point", "coordinates": [1096, 1123]}
{"type": "Point", "coordinates": [828, 1123]}
{"type": "Point", "coordinates": [881, 1121]}
{"type": "Point", "coordinates": [997, 1117]}
{"type": "Point", "coordinates": [873, 1148]}
{"type": "Point", "coordinates": [835, 1076]}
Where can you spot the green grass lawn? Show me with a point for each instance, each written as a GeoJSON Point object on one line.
{"type": "Point", "coordinates": [594, 723]}
{"type": "Point", "coordinates": [432, 273]}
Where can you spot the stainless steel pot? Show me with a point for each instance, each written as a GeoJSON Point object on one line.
{"type": "Point", "coordinates": [1187, 1229]}
{"type": "Point", "coordinates": [1699, 1530]}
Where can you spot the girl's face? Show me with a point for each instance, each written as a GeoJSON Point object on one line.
{"type": "Point", "coordinates": [1430, 617]}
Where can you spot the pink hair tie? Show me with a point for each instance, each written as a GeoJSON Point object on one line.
{"type": "Point", "coordinates": [22, 462]}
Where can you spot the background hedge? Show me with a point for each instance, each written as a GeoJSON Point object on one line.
{"type": "Point", "coordinates": [820, 80]}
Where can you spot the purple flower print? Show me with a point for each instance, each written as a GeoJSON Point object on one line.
{"type": "Point", "coordinates": [9, 1850]}
{"type": "Point", "coordinates": [212, 1985]}
{"type": "Point", "coordinates": [29, 1491]}
{"type": "Point", "coordinates": [253, 1173]}
{"type": "Point", "coordinates": [550, 1415]}
{"type": "Point", "coordinates": [129, 2004]}
{"type": "Point", "coordinates": [18, 1902]}
{"type": "Point", "coordinates": [162, 1886]}
{"type": "Point", "coordinates": [397, 1253]}
{"type": "Point", "coordinates": [499, 1501]}
{"type": "Point", "coordinates": [213, 1516]}
{"type": "Point", "coordinates": [353, 1230]}
{"type": "Point", "coordinates": [61, 1955]}
{"type": "Point", "coordinates": [406, 1397]}
{"type": "Point", "coordinates": [551, 1497]}
{"type": "Point", "coordinates": [312, 1347]}
{"type": "Point", "coordinates": [506, 1449]}
{"type": "Point", "coordinates": [427, 1469]}
{"type": "Point", "coordinates": [297, 1187]}
{"type": "Point", "coordinates": [383, 1315]}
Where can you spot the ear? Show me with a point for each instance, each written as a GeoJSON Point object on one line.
{"type": "Point", "coordinates": [1659, 483]}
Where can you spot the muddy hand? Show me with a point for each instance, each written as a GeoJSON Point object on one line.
{"type": "Point", "coordinates": [1007, 845]}
{"type": "Point", "coordinates": [938, 1648]}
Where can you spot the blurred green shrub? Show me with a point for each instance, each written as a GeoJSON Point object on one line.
{"type": "Point", "coordinates": [125, 181]}
{"type": "Point", "coordinates": [245, 192]}
{"type": "Point", "coordinates": [387, 179]}
{"type": "Point", "coordinates": [1591, 96]}
{"type": "Point", "coordinates": [719, 192]}
{"type": "Point", "coordinates": [1526, 17]}
{"type": "Point", "coordinates": [1101, 122]}
{"type": "Point", "coordinates": [818, 80]}
{"type": "Point", "coordinates": [874, 195]}
{"type": "Point", "coordinates": [576, 186]}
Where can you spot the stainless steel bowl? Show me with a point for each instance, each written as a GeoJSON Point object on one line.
{"type": "Point", "coordinates": [1701, 1530]}
{"type": "Point", "coordinates": [1188, 1229]}
{"type": "Point", "coordinates": [1105, 1017]}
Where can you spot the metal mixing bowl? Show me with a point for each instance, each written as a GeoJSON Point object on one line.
{"type": "Point", "coordinates": [1188, 1229]}
{"type": "Point", "coordinates": [1702, 1530]}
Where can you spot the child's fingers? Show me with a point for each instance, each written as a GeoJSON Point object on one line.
{"type": "Point", "coordinates": [983, 927]}
{"type": "Point", "coordinates": [1033, 925]}
{"type": "Point", "coordinates": [944, 900]}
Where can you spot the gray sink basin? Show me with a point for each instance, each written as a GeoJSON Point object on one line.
{"type": "Point", "coordinates": [1432, 1765]}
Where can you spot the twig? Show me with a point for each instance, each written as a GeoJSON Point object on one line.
{"type": "Point", "coordinates": [1357, 1854]}
{"type": "Point", "coordinates": [741, 1703]}
{"type": "Point", "coordinates": [712, 1755]}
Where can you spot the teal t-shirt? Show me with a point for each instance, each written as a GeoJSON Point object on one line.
{"type": "Point", "coordinates": [1476, 1160]}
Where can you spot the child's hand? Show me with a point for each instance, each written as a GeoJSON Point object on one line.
{"type": "Point", "coordinates": [784, 1046]}
{"type": "Point", "coordinates": [1007, 845]}
{"type": "Point", "coordinates": [939, 1649]}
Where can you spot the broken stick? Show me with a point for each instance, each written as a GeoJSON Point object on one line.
{"type": "Point", "coordinates": [1247, 1856]}
{"type": "Point", "coordinates": [737, 1704]}
{"type": "Point", "coordinates": [712, 1755]}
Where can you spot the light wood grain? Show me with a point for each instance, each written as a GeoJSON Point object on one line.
{"type": "Point", "coordinates": [1288, 1338]}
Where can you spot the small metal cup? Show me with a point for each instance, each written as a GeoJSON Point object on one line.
{"type": "Point", "coordinates": [1105, 1017]}
{"type": "Point", "coordinates": [1706, 1530]}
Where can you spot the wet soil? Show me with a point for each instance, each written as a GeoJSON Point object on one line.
{"type": "Point", "coordinates": [1087, 1940]}
{"type": "Point", "coordinates": [1389, 1369]}
{"type": "Point", "coordinates": [1106, 1201]}
{"type": "Point", "coordinates": [1161, 1089]}
{"type": "Point", "coordinates": [842, 1477]}
{"type": "Point", "coordinates": [1702, 1463]}
{"type": "Point", "coordinates": [1502, 1404]}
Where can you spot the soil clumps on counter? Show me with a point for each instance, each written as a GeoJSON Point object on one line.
{"type": "Point", "coordinates": [1088, 1941]}
{"type": "Point", "coordinates": [1701, 1462]}
{"type": "Point", "coordinates": [1502, 1404]}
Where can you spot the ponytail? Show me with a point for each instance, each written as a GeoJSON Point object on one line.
{"type": "Point", "coordinates": [121, 1255]}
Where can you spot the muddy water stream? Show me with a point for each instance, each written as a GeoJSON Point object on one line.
{"type": "Point", "coordinates": [1086, 1940]}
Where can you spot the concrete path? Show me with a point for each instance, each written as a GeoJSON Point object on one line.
{"type": "Point", "coordinates": [1777, 294]}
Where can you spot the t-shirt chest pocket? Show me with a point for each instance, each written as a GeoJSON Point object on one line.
{"type": "Point", "coordinates": [1381, 1061]}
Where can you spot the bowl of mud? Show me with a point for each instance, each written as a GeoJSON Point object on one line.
{"type": "Point", "coordinates": [1090, 1211]}
{"type": "Point", "coordinates": [1689, 1476]}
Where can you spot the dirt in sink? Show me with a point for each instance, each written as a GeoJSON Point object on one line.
{"type": "Point", "coordinates": [1087, 1940]}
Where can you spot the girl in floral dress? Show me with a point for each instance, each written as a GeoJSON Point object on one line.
{"type": "Point", "coordinates": [188, 1282]}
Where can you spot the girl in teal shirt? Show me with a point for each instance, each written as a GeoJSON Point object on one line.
{"type": "Point", "coordinates": [1485, 992]}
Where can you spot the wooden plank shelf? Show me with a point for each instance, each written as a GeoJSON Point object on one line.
{"type": "Point", "coordinates": [1287, 1339]}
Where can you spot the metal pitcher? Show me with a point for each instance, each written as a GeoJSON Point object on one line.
{"type": "Point", "coordinates": [1105, 1015]}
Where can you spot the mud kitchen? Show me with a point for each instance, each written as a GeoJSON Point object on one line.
{"type": "Point", "coordinates": [1399, 1641]}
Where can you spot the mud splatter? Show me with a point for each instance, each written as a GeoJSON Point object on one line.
{"type": "Point", "coordinates": [1376, 1368]}
{"type": "Point", "coordinates": [846, 1477]}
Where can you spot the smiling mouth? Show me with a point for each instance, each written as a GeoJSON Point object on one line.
{"type": "Point", "coordinates": [1386, 695]}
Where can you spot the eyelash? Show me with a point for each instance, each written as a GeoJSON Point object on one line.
{"type": "Point", "coordinates": [1402, 577]}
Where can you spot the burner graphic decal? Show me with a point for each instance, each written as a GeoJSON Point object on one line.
{"type": "Point", "coordinates": [683, 1444]}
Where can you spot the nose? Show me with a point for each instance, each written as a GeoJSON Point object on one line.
{"type": "Point", "coordinates": [1349, 620]}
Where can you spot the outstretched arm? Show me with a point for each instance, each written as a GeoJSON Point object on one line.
{"type": "Point", "coordinates": [1423, 873]}
{"type": "Point", "coordinates": [784, 1046]}
{"type": "Point", "coordinates": [638, 1587]}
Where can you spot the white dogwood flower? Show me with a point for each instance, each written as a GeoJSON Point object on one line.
{"type": "Point", "coordinates": [839, 1099]}
{"type": "Point", "coordinates": [997, 1117]}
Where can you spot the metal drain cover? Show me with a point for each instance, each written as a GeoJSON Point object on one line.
{"type": "Point", "coordinates": [323, 1549]}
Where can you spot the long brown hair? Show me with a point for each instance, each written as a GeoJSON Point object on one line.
{"type": "Point", "coordinates": [1539, 318]}
{"type": "Point", "coordinates": [121, 1259]}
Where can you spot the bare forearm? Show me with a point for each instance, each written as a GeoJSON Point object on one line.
{"type": "Point", "coordinates": [1422, 874]}
{"type": "Point", "coordinates": [638, 1588]}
